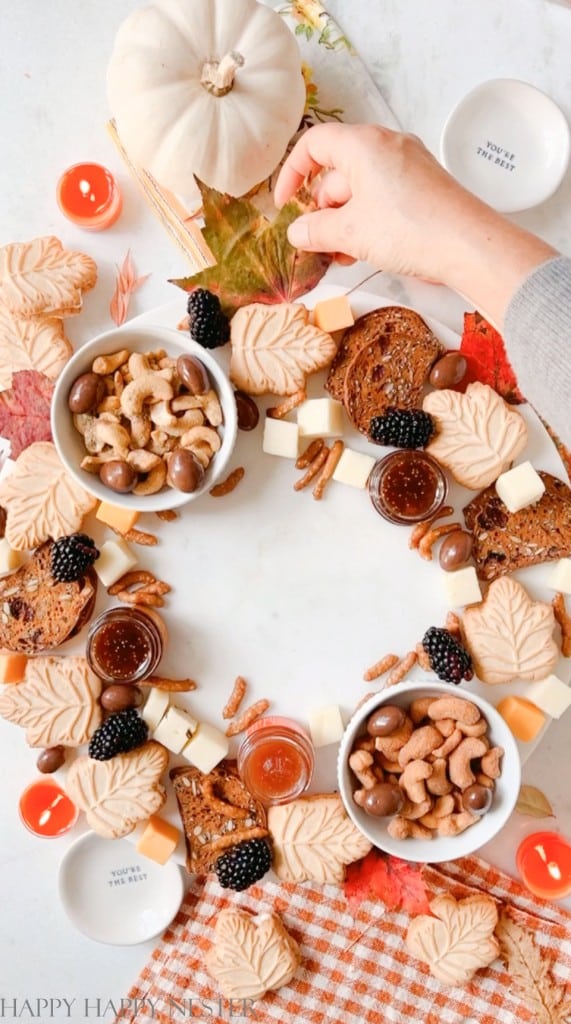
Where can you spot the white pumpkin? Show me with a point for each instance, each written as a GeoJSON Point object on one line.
{"type": "Point", "coordinates": [211, 88]}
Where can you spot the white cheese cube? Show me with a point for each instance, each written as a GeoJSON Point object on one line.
{"type": "Point", "coordinates": [9, 559]}
{"type": "Point", "coordinates": [354, 468]}
{"type": "Point", "coordinates": [551, 695]}
{"type": "Point", "coordinates": [560, 576]}
{"type": "Point", "coordinates": [461, 587]}
{"type": "Point", "coordinates": [280, 438]}
{"type": "Point", "coordinates": [519, 487]}
{"type": "Point", "coordinates": [156, 707]}
{"type": "Point", "coordinates": [206, 748]}
{"type": "Point", "coordinates": [320, 417]}
{"type": "Point", "coordinates": [175, 729]}
{"type": "Point", "coordinates": [115, 559]}
{"type": "Point", "coordinates": [326, 725]}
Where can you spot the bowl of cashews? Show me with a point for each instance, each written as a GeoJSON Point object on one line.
{"type": "Point", "coordinates": [428, 772]}
{"type": "Point", "coordinates": [144, 418]}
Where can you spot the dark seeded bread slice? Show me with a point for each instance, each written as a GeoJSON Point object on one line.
{"type": "Point", "coordinates": [504, 541]}
{"type": "Point", "coordinates": [379, 325]}
{"type": "Point", "coordinates": [36, 612]}
{"type": "Point", "coordinates": [217, 812]}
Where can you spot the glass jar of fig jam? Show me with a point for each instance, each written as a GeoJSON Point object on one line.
{"type": "Point", "coordinates": [124, 645]}
{"type": "Point", "coordinates": [275, 760]}
{"type": "Point", "coordinates": [407, 486]}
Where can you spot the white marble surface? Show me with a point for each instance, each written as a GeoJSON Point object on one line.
{"type": "Point", "coordinates": [53, 112]}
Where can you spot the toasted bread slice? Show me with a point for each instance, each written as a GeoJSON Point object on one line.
{"type": "Point", "coordinates": [36, 612]}
{"type": "Point", "coordinates": [217, 812]}
{"type": "Point", "coordinates": [505, 541]}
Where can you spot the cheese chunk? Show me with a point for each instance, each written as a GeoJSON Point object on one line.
{"type": "Point", "coordinates": [175, 729]}
{"type": "Point", "coordinates": [115, 559]}
{"type": "Point", "coordinates": [12, 667]}
{"type": "Point", "coordinates": [519, 487]}
{"type": "Point", "coordinates": [206, 748]}
{"type": "Point", "coordinates": [280, 438]}
{"type": "Point", "coordinates": [552, 695]}
{"type": "Point", "coordinates": [159, 840]}
{"type": "Point", "coordinates": [560, 576]}
{"type": "Point", "coordinates": [120, 519]}
{"type": "Point", "coordinates": [333, 314]}
{"type": "Point", "coordinates": [326, 725]}
{"type": "Point", "coordinates": [320, 417]}
{"type": "Point", "coordinates": [461, 587]}
{"type": "Point", "coordinates": [524, 719]}
{"type": "Point", "coordinates": [156, 707]}
{"type": "Point", "coordinates": [9, 559]}
{"type": "Point", "coordinates": [354, 468]}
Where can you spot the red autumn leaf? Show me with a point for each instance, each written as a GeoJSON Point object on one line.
{"type": "Point", "coordinates": [487, 359]}
{"type": "Point", "coordinates": [25, 410]}
{"type": "Point", "coordinates": [397, 883]}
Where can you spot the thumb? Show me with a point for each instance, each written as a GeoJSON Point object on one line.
{"type": "Point", "coordinates": [323, 231]}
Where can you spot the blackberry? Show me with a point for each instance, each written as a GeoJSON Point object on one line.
{"type": "Point", "coordinates": [402, 428]}
{"type": "Point", "coordinates": [208, 324]}
{"type": "Point", "coordinates": [243, 864]}
{"type": "Point", "coordinates": [120, 732]}
{"type": "Point", "coordinates": [71, 556]}
{"type": "Point", "coordinates": [448, 658]}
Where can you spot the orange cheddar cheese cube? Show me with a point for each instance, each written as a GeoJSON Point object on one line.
{"type": "Point", "coordinates": [120, 519]}
{"type": "Point", "coordinates": [333, 314]}
{"type": "Point", "coordinates": [159, 840]}
{"type": "Point", "coordinates": [524, 718]}
{"type": "Point", "coordinates": [12, 667]}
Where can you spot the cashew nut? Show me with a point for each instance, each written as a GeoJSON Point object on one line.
{"type": "Point", "coordinates": [204, 434]}
{"type": "Point", "coordinates": [391, 744]}
{"type": "Point", "coordinates": [140, 429]}
{"type": "Point", "coordinates": [162, 415]}
{"type": "Point", "coordinates": [181, 424]}
{"type": "Point", "coordinates": [454, 707]}
{"type": "Point", "coordinates": [412, 811]}
{"type": "Point", "coordinates": [161, 443]}
{"type": "Point", "coordinates": [118, 383]}
{"type": "Point", "coordinates": [446, 726]}
{"type": "Point", "coordinates": [112, 434]}
{"type": "Point", "coordinates": [360, 763]}
{"type": "Point", "coordinates": [490, 763]}
{"type": "Point", "coordinates": [183, 402]}
{"type": "Point", "coordinates": [203, 453]}
{"type": "Point", "coordinates": [419, 708]}
{"type": "Point", "coordinates": [93, 463]}
{"type": "Point", "coordinates": [413, 778]}
{"type": "Point", "coordinates": [108, 364]}
{"type": "Point", "coordinates": [365, 742]}
{"type": "Point", "coordinates": [402, 828]}
{"type": "Point", "coordinates": [138, 364]}
{"type": "Point", "coordinates": [438, 783]}
{"type": "Point", "coordinates": [146, 389]}
{"type": "Point", "coordinates": [212, 408]}
{"type": "Point", "coordinates": [388, 765]}
{"type": "Point", "coordinates": [443, 807]}
{"type": "Point", "coordinates": [448, 746]}
{"type": "Point", "coordinates": [142, 460]}
{"type": "Point", "coordinates": [110, 403]}
{"type": "Point", "coordinates": [456, 823]}
{"type": "Point", "coordinates": [484, 780]}
{"type": "Point", "coordinates": [478, 729]}
{"type": "Point", "coordinates": [422, 742]}
{"type": "Point", "coordinates": [359, 797]}
{"type": "Point", "coordinates": [82, 420]}
{"type": "Point", "coordinates": [459, 770]}
{"type": "Point", "coordinates": [154, 480]}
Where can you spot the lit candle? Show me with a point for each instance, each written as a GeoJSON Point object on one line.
{"type": "Point", "coordinates": [46, 810]}
{"type": "Point", "coordinates": [544, 863]}
{"type": "Point", "coordinates": [88, 195]}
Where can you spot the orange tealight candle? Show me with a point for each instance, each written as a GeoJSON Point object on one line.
{"type": "Point", "coordinates": [543, 860]}
{"type": "Point", "coordinates": [46, 810]}
{"type": "Point", "coordinates": [88, 195]}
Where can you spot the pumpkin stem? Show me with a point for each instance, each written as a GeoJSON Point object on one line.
{"type": "Point", "coordinates": [218, 75]}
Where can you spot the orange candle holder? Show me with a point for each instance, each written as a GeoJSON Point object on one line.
{"type": "Point", "coordinates": [276, 760]}
{"type": "Point", "coordinates": [88, 195]}
{"type": "Point", "coordinates": [543, 860]}
{"type": "Point", "coordinates": [46, 810]}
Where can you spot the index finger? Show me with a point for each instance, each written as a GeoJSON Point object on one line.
{"type": "Point", "coordinates": [323, 145]}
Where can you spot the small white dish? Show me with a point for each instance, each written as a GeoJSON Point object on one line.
{"type": "Point", "coordinates": [507, 142]}
{"type": "Point", "coordinates": [114, 895]}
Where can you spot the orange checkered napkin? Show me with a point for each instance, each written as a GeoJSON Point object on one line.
{"type": "Point", "coordinates": [355, 967]}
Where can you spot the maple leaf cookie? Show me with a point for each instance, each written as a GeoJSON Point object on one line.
{"type": "Point", "coordinates": [251, 955]}
{"type": "Point", "coordinates": [459, 940]}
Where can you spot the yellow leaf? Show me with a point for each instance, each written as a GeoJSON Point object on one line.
{"type": "Point", "coordinates": [533, 802]}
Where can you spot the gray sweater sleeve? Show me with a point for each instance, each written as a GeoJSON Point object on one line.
{"type": "Point", "coordinates": [537, 332]}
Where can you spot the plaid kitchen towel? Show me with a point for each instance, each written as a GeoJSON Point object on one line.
{"type": "Point", "coordinates": [355, 966]}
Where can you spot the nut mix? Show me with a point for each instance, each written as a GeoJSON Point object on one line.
{"type": "Point", "coordinates": [147, 420]}
{"type": "Point", "coordinates": [429, 767]}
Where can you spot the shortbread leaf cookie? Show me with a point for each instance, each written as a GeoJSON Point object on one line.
{"type": "Point", "coordinates": [477, 434]}
{"type": "Point", "coordinates": [314, 839]}
{"type": "Point", "coordinates": [251, 955]}
{"type": "Point", "coordinates": [31, 343]}
{"type": "Point", "coordinates": [57, 703]}
{"type": "Point", "coordinates": [458, 940]}
{"type": "Point", "coordinates": [509, 636]}
{"type": "Point", "coordinates": [274, 348]}
{"type": "Point", "coordinates": [42, 277]}
{"type": "Point", "coordinates": [41, 499]}
{"type": "Point", "coordinates": [118, 793]}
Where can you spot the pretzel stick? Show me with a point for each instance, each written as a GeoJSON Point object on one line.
{"type": "Point", "coordinates": [312, 470]}
{"type": "Point", "coordinates": [173, 685]}
{"type": "Point", "coordinates": [236, 697]}
{"type": "Point", "coordinates": [277, 412]}
{"type": "Point", "coordinates": [380, 667]}
{"type": "Point", "coordinates": [167, 514]}
{"type": "Point", "coordinates": [229, 484]}
{"type": "Point", "coordinates": [128, 579]}
{"type": "Point", "coordinates": [222, 807]}
{"type": "Point", "coordinates": [418, 532]}
{"type": "Point", "coordinates": [247, 717]}
{"type": "Point", "coordinates": [564, 620]}
{"type": "Point", "coordinates": [328, 469]}
{"type": "Point", "coordinates": [430, 538]}
{"type": "Point", "coordinates": [452, 624]}
{"type": "Point", "coordinates": [311, 452]}
{"type": "Point", "coordinates": [139, 537]}
{"type": "Point", "coordinates": [157, 587]}
{"type": "Point", "coordinates": [402, 669]}
{"type": "Point", "coordinates": [141, 596]}
{"type": "Point", "coordinates": [423, 658]}
{"type": "Point", "coordinates": [236, 836]}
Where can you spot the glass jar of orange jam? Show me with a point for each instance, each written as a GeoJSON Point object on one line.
{"type": "Point", "coordinates": [124, 645]}
{"type": "Point", "coordinates": [276, 760]}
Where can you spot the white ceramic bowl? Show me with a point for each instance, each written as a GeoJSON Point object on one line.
{"type": "Point", "coordinates": [507, 142]}
{"type": "Point", "coordinates": [441, 848]}
{"type": "Point", "coordinates": [69, 442]}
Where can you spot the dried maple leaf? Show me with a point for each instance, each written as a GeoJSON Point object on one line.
{"type": "Point", "coordinates": [56, 703]}
{"type": "Point", "coordinates": [25, 410]}
{"type": "Point", "coordinates": [510, 636]}
{"type": "Point", "coordinates": [126, 284]}
{"type": "Point", "coordinates": [34, 343]}
{"type": "Point", "coordinates": [487, 359]}
{"type": "Point", "coordinates": [531, 973]}
{"type": "Point", "coordinates": [398, 884]}
{"type": "Point", "coordinates": [255, 262]}
{"type": "Point", "coordinates": [42, 277]}
{"type": "Point", "coordinates": [251, 955]}
{"type": "Point", "coordinates": [458, 940]}
{"type": "Point", "coordinates": [314, 839]}
{"type": "Point", "coordinates": [533, 802]}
